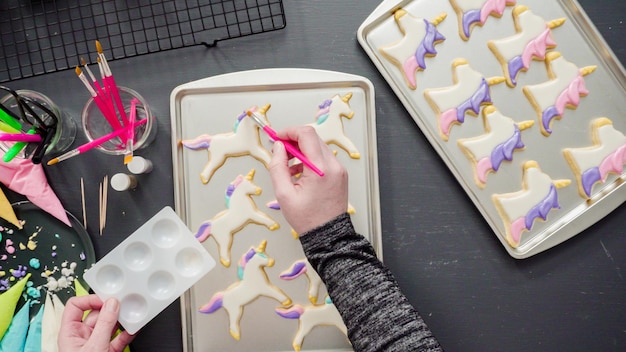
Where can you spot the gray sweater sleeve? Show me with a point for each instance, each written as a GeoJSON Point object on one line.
{"type": "Point", "coordinates": [378, 316]}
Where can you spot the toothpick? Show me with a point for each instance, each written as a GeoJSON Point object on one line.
{"type": "Point", "coordinates": [100, 206]}
{"type": "Point", "coordinates": [82, 198]}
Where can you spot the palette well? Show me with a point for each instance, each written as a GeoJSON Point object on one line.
{"type": "Point", "coordinates": [150, 269]}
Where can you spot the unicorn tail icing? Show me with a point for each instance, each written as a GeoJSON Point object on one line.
{"type": "Point", "coordinates": [541, 210]}
{"type": "Point", "coordinates": [203, 141]}
{"type": "Point", "coordinates": [457, 115]}
{"type": "Point", "coordinates": [298, 268]}
{"type": "Point", "coordinates": [204, 231]}
{"type": "Point", "coordinates": [425, 48]}
{"type": "Point", "coordinates": [214, 304]}
{"type": "Point", "coordinates": [273, 205]}
{"type": "Point", "coordinates": [293, 312]}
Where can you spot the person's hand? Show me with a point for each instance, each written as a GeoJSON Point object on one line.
{"type": "Point", "coordinates": [95, 332]}
{"type": "Point", "coordinates": [311, 200]}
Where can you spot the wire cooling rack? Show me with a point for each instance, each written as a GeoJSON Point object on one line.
{"type": "Point", "coordinates": [38, 37]}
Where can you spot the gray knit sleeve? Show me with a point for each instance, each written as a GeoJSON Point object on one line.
{"type": "Point", "coordinates": [378, 316]}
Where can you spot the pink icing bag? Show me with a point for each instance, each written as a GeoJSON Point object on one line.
{"type": "Point", "coordinates": [28, 179]}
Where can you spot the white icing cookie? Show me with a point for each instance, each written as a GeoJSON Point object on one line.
{"type": "Point", "coordinates": [472, 13]}
{"type": "Point", "coordinates": [593, 164]}
{"type": "Point", "coordinates": [538, 196]}
{"type": "Point", "coordinates": [489, 151]}
{"type": "Point", "coordinates": [241, 210]}
{"type": "Point", "coordinates": [329, 125]}
{"type": "Point", "coordinates": [418, 42]}
{"type": "Point", "coordinates": [470, 91]}
{"type": "Point", "coordinates": [244, 140]}
{"type": "Point", "coordinates": [310, 317]}
{"type": "Point", "coordinates": [532, 40]}
{"type": "Point", "coordinates": [563, 90]}
{"type": "Point", "coordinates": [253, 283]}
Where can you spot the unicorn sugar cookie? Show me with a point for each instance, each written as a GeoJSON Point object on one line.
{"type": "Point", "coordinates": [311, 316]}
{"type": "Point", "coordinates": [329, 125]}
{"type": "Point", "coordinates": [419, 37]}
{"type": "Point", "coordinates": [470, 91]}
{"type": "Point", "coordinates": [538, 197]}
{"type": "Point", "coordinates": [472, 13]}
{"type": "Point", "coordinates": [593, 164]}
{"type": "Point", "coordinates": [253, 283]}
{"type": "Point", "coordinates": [563, 90]}
{"type": "Point", "coordinates": [487, 152]}
{"type": "Point", "coordinates": [532, 39]}
{"type": "Point", "coordinates": [240, 211]}
{"type": "Point", "coordinates": [244, 140]}
{"type": "Point", "coordinates": [303, 267]}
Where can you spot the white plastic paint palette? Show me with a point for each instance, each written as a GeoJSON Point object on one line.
{"type": "Point", "coordinates": [150, 269]}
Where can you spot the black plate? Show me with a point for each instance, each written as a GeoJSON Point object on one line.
{"type": "Point", "coordinates": [56, 243]}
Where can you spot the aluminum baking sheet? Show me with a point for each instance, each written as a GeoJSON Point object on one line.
{"type": "Point", "coordinates": [211, 106]}
{"type": "Point", "coordinates": [578, 42]}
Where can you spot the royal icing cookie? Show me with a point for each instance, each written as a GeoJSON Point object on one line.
{"type": "Point", "coordinates": [303, 267]}
{"type": "Point", "coordinates": [502, 138]}
{"type": "Point", "coordinates": [470, 91]}
{"type": "Point", "coordinates": [253, 283]}
{"type": "Point", "coordinates": [472, 13]}
{"type": "Point", "coordinates": [419, 37]}
{"type": "Point", "coordinates": [537, 198]}
{"type": "Point", "coordinates": [329, 124]}
{"type": "Point", "coordinates": [310, 317]}
{"type": "Point", "coordinates": [244, 140]}
{"type": "Point", "coordinates": [593, 164]}
{"type": "Point", "coordinates": [563, 90]}
{"type": "Point", "coordinates": [241, 210]}
{"type": "Point", "coordinates": [532, 40]}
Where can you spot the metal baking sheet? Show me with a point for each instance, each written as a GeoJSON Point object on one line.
{"type": "Point", "coordinates": [578, 41]}
{"type": "Point", "coordinates": [211, 106]}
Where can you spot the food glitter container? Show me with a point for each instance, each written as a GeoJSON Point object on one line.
{"type": "Point", "coordinates": [95, 125]}
{"type": "Point", "coordinates": [437, 70]}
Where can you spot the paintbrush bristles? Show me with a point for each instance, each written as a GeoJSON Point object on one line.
{"type": "Point", "coordinates": [99, 47]}
{"type": "Point", "coordinates": [255, 118]}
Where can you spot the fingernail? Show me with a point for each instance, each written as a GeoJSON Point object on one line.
{"type": "Point", "coordinates": [277, 145]}
{"type": "Point", "coordinates": [111, 305]}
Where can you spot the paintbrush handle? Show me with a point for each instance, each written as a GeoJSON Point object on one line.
{"type": "Point", "coordinates": [96, 142]}
{"type": "Point", "coordinates": [19, 137]}
{"type": "Point", "coordinates": [293, 150]}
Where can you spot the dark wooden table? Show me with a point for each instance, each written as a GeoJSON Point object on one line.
{"type": "Point", "coordinates": [473, 295]}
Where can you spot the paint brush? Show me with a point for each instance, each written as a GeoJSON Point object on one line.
{"type": "Point", "coordinates": [109, 115]}
{"type": "Point", "coordinates": [290, 147]}
{"type": "Point", "coordinates": [97, 85]}
{"type": "Point", "coordinates": [20, 137]}
{"type": "Point", "coordinates": [130, 137]}
{"type": "Point", "coordinates": [110, 82]}
{"type": "Point", "coordinates": [96, 142]}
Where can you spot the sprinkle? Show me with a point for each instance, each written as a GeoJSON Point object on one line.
{"type": "Point", "coordinates": [34, 263]}
{"type": "Point", "coordinates": [82, 256]}
{"type": "Point", "coordinates": [33, 292]}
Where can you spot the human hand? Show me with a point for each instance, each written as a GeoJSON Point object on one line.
{"type": "Point", "coordinates": [95, 332]}
{"type": "Point", "coordinates": [311, 200]}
